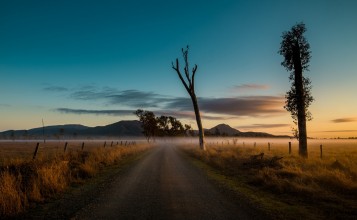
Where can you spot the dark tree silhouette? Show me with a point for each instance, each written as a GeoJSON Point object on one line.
{"type": "Point", "coordinates": [177, 128]}
{"type": "Point", "coordinates": [163, 123]}
{"type": "Point", "coordinates": [296, 51]}
{"type": "Point", "coordinates": [148, 123]}
{"type": "Point", "coordinates": [160, 126]}
{"type": "Point", "coordinates": [189, 84]}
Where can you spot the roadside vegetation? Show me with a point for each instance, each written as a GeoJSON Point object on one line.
{"type": "Point", "coordinates": [24, 181]}
{"type": "Point", "coordinates": [285, 185]}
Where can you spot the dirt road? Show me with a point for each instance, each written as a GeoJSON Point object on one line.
{"type": "Point", "coordinates": [163, 185]}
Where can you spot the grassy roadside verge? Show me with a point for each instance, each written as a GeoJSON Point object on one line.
{"type": "Point", "coordinates": [27, 184]}
{"type": "Point", "coordinates": [224, 167]}
{"type": "Point", "coordinates": [264, 202]}
{"type": "Point", "coordinates": [77, 196]}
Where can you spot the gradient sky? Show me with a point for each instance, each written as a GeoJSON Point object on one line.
{"type": "Point", "coordinates": [95, 62]}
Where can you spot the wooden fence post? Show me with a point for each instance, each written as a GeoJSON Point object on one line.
{"type": "Point", "coordinates": [82, 145]}
{"type": "Point", "coordinates": [321, 151]}
{"type": "Point", "coordinates": [111, 144]}
{"type": "Point", "coordinates": [255, 144]}
{"type": "Point", "coordinates": [105, 143]}
{"type": "Point", "coordinates": [289, 147]}
{"type": "Point", "coordinates": [36, 149]}
{"type": "Point", "coordinates": [65, 147]}
{"type": "Point", "coordinates": [268, 146]}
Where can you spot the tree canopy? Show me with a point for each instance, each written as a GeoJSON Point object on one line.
{"type": "Point", "coordinates": [294, 40]}
{"type": "Point", "coordinates": [161, 126]}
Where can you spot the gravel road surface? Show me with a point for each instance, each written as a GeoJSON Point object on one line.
{"type": "Point", "coordinates": [164, 185]}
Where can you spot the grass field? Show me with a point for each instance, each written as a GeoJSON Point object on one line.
{"type": "Point", "coordinates": [284, 185]}
{"type": "Point", "coordinates": [313, 188]}
{"type": "Point", "coordinates": [24, 180]}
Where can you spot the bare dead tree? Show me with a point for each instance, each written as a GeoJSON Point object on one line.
{"type": "Point", "coordinates": [189, 84]}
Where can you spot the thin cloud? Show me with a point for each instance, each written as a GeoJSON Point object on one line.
{"type": "Point", "coordinates": [55, 89]}
{"type": "Point", "coordinates": [244, 106]}
{"type": "Point", "coordinates": [344, 120]}
{"type": "Point", "coordinates": [239, 106]}
{"type": "Point", "coordinates": [248, 87]}
{"type": "Point", "coordinates": [255, 126]}
{"type": "Point", "coordinates": [211, 108]}
{"type": "Point", "coordinates": [187, 115]}
{"type": "Point", "coordinates": [95, 112]}
{"type": "Point", "coordinates": [190, 115]}
{"type": "Point", "coordinates": [135, 98]}
{"type": "Point", "coordinates": [131, 98]}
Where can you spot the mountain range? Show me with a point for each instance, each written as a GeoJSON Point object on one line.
{"type": "Point", "coordinates": [226, 130]}
{"type": "Point", "coordinates": [118, 129]}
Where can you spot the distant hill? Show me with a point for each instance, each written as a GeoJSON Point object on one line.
{"type": "Point", "coordinates": [121, 128]}
{"type": "Point", "coordinates": [118, 129]}
{"type": "Point", "coordinates": [223, 129]}
{"type": "Point", "coordinates": [226, 130]}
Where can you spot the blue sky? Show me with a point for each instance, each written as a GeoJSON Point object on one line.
{"type": "Point", "coordinates": [79, 61]}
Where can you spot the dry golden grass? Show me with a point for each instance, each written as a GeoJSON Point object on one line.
{"type": "Point", "coordinates": [11, 197]}
{"type": "Point", "coordinates": [328, 184]}
{"type": "Point", "coordinates": [23, 180]}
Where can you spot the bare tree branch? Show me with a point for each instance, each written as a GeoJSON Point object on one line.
{"type": "Point", "coordinates": [180, 76]}
{"type": "Point", "coordinates": [186, 69]}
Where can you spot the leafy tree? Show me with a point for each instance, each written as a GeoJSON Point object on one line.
{"type": "Point", "coordinates": [170, 126]}
{"type": "Point", "coordinates": [160, 126]}
{"type": "Point", "coordinates": [148, 123]}
{"type": "Point", "coordinates": [176, 128]}
{"type": "Point", "coordinates": [163, 123]}
{"type": "Point", "coordinates": [189, 84]}
{"type": "Point", "coordinates": [296, 51]}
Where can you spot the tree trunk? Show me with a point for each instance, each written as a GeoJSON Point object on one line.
{"type": "Point", "coordinates": [300, 98]}
{"type": "Point", "coordinates": [199, 122]}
